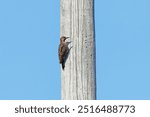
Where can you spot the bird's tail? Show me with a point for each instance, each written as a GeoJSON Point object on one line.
{"type": "Point", "coordinates": [63, 65]}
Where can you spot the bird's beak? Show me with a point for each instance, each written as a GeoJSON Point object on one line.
{"type": "Point", "coordinates": [67, 37]}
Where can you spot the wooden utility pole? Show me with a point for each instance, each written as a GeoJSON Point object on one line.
{"type": "Point", "coordinates": [78, 79]}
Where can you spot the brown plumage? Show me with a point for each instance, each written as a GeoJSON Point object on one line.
{"type": "Point", "coordinates": [63, 50]}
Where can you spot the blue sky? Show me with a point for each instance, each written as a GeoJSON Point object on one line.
{"type": "Point", "coordinates": [29, 38]}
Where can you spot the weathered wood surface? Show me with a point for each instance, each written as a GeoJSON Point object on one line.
{"type": "Point", "coordinates": [78, 80]}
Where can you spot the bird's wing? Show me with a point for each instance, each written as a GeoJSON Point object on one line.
{"type": "Point", "coordinates": [62, 52]}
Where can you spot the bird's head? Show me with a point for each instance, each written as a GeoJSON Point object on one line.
{"type": "Point", "coordinates": [63, 38]}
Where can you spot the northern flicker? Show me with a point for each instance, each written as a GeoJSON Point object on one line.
{"type": "Point", "coordinates": [63, 51]}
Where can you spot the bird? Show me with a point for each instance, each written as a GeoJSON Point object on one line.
{"type": "Point", "coordinates": [63, 51]}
